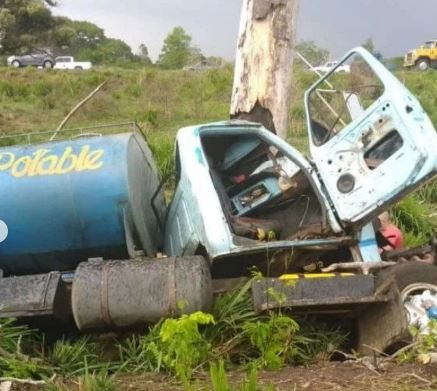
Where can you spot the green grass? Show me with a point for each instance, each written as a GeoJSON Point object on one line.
{"type": "Point", "coordinates": [75, 357]}
{"type": "Point", "coordinates": [424, 86]}
{"type": "Point", "coordinates": [161, 101]}
{"type": "Point", "coordinates": [183, 347]}
{"type": "Point", "coordinates": [416, 218]}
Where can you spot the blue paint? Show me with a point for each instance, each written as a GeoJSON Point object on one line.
{"type": "Point", "coordinates": [56, 220]}
{"type": "Point", "coordinates": [432, 313]}
{"type": "Point", "coordinates": [239, 150]}
{"type": "Point", "coordinates": [368, 242]}
{"type": "Point", "coordinates": [368, 245]}
{"type": "Point", "coordinates": [199, 155]}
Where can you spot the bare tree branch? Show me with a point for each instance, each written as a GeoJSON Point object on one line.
{"type": "Point", "coordinates": [77, 107]}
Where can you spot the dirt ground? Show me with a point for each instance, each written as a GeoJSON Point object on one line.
{"type": "Point", "coordinates": [320, 377]}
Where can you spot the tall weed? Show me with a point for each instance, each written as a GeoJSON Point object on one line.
{"type": "Point", "coordinates": [415, 220]}
{"type": "Point", "coordinates": [183, 345]}
{"type": "Point", "coordinates": [272, 339]}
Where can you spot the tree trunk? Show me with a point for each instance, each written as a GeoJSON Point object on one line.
{"type": "Point", "coordinates": [263, 67]}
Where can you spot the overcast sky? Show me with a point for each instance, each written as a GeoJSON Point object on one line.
{"type": "Point", "coordinates": [338, 25]}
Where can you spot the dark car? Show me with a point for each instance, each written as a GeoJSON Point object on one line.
{"type": "Point", "coordinates": [37, 58]}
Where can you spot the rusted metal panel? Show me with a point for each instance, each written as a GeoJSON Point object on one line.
{"type": "Point", "coordinates": [37, 295]}
{"type": "Point", "coordinates": [129, 293]}
{"type": "Point", "coordinates": [308, 244]}
{"type": "Point", "coordinates": [275, 293]}
{"type": "Point", "coordinates": [382, 324]}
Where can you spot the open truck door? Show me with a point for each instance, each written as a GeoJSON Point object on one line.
{"type": "Point", "coordinates": [370, 158]}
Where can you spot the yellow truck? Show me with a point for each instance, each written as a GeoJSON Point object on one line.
{"type": "Point", "coordinates": [423, 57]}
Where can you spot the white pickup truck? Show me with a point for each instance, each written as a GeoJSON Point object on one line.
{"type": "Point", "coordinates": [67, 62]}
{"type": "Point", "coordinates": [332, 64]}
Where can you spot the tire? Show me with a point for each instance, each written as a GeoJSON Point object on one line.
{"type": "Point", "coordinates": [78, 68]}
{"type": "Point", "coordinates": [16, 64]}
{"type": "Point", "coordinates": [412, 278]}
{"type": "Point", "coordinates": [47, 65]}
{"type": "Point", "coordinates": [422, 64]}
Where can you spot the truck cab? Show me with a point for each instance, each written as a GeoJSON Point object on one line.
{"type": "Point", "coordinates": [241, 192]}
{"type": "Point", "coordinates": [423, 57]}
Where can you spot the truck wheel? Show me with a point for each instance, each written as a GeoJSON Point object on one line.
{"type": "Point", "coordinates": [48, 65]}
{"type": "Point", "coordinates": [78, 68]}
{"type": "Point", "coordinates": [412, 279]}
{"type": "Point", "coordinates": [422, 64]}
{"type": "Point", "coordinates": [16, 64]}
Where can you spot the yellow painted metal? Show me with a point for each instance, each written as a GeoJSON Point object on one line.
{"type": "Point", "coordinates": [314, 276]}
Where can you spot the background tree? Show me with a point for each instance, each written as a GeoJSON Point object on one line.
{"type": "Point", "coordinates": [87, 41]}
{"type": "Point", "coordinates": [196, 56]}
{"type": "Point", "coordinates": [24, 23]}
{"type": "Point", "coordinates": [177, 50]}
{"type": "Point", "coordinates": [143, 54]}
{"type": "Point", "coordinates": [370, 46]}
{"type": "Point", "coordinates": [313, 53]}
{"type": "Point", "coordinates": [108, 51]}
{"type": "Point", "coordinates": [29, 24]}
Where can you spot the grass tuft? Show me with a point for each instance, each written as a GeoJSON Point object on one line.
{"type": "Point", "coordinates": [72, 358]}
{"type": "Point", "coordinates": [415, 218]}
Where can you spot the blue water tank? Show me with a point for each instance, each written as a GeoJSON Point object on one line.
{"type": "Point", "coordinates": [64, 202]}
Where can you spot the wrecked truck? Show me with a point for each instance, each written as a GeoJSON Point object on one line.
{"type": "Point", "coordinates": [86, 232]}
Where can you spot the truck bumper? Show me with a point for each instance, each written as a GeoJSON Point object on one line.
{"type": "Point", "coordinates": [335, 292]}
{"type": "Point", "coordinates": [376, 307]}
